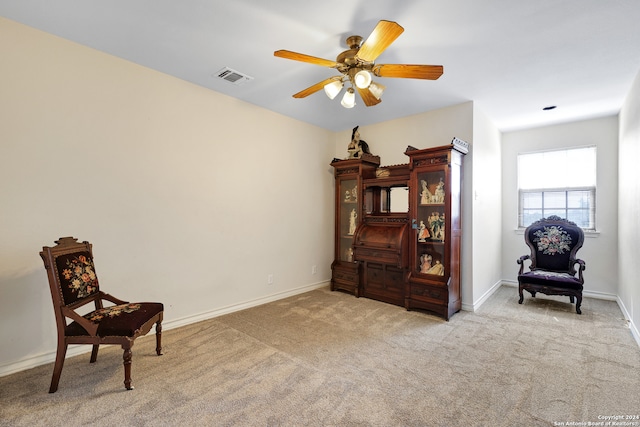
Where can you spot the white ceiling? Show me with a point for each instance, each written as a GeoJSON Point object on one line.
{"type": "Point", "coordinates": [511, 57]}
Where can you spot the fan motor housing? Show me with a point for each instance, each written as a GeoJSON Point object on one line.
{"type": "Point", "coordinates": [348, 59]}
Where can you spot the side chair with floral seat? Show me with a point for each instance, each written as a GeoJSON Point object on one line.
{"type": "Point", "coordinates": [74, 284]}
{"type": "Point", "coordinates": [554, 243]}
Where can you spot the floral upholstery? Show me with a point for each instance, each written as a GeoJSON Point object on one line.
{"type": "Point", "coordinates": [554, 245]}
{"type": "Point", "coordinates": [118, 320]}
{"type": "Point", "coordinates": [77, 276]}
{"type": "Point", "coordinates": [542, 277]}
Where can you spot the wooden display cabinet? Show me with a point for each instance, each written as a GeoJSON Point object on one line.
{"type": "Point", "coordinates": [435, 213]}
{"type": "Point", "coordinates": [349, 204]}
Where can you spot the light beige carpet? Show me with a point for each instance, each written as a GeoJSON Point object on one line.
{"type": "Point", "coordinates": [329, 359]}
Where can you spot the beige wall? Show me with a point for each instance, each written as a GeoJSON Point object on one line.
{"type": "Point", "coordinates": [190, 197]}
{"type": "Point", "coordinates": [629, 207]}
{"type": "Point", "coordinates": [600, 250]}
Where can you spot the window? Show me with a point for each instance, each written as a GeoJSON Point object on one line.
{"type": "Point", "coordinates": [559, 182]}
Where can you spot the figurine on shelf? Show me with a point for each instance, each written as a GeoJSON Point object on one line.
{"type": "Point", "coordinates": [425, 195]}
{"type": "Point", "coordinates": [347, 196]}
{"type": "Point", "coordinates": [437, 269]}
{"type": "Point", "coordinates": [425, 263]}
{"type": "Point", "coordinates": [436, 225]}
{"type": "Point", "coordinates": [357, 147]}
{"type": "Point", "coordinates": [352, 222]}
{"type": "Point", "coordinates": [423, 232]}
{"type": "Point", "coordinates": [438, 195]}
{"type": "Point", "coordinates": [349, 253]}
{"type": "Point", "coordinates": [433, 223]}
{"type": "Point", "coordinates": [354, 193]}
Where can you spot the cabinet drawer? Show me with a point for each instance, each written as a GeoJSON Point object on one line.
{"type": "Point", "coordinates": [396, 276]}
{"type": "Point", "coordinates": [437, 294]}
{"type": "Point", "coordinates": [346, 276]}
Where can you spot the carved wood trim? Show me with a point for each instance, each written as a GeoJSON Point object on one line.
{"type": "Point", "coordinates": [347, 171]}
{"type": "Point", "coordinates": [439, 160]}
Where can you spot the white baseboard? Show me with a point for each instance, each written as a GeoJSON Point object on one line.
{"type": "Point", "coordinates": [40, 359]}
{"type": "Point", "coordinates": [75, 350]}
{"type": "Point", "coordinates": [188, 320]}
{"type": "Point", "coordinates": [476, 304]}
{"type": "Point", "coordinates": [632, 326]}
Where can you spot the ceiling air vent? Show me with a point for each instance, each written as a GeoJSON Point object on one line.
{"type": "Point", "coordinates": [233, 76]}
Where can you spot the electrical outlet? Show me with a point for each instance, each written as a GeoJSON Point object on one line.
{"type": "Point", "coordinates": [270, 279]}
{"type": "Point", "coordinates": [314, 269]}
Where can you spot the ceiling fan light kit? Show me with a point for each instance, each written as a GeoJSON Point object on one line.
{"type": "Point", "coordinates": [363, 79]}
{"type": "Point", "coordinates": [349, 99]}
{"type": "Point", "coordinates": [357, 67]}
{"type": "Point", "coordinates": [333, 89]}
{"type": "Point", "coordinates": [376, 89]}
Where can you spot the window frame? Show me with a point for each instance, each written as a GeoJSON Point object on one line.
{"type": "Point", "coordinates": [590, 210]}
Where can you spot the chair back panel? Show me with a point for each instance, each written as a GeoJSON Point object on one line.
{"type": "Point", "coordinates": [554, 242]}
{"type": "Point", "coordinates": [72, 274]}
{"type": "Point", "coordinates": [76, 276]}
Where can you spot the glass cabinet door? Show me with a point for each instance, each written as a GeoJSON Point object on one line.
{"type": "Point", "coordinates": [348, 217]}
{"type": "Point", "coordinates": [431, 223]}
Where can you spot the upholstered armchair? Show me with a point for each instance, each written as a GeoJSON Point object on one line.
{"type": "Point", "coordinates": [74, 284]}
{"type": "Point", "coordinates": [553, 242]}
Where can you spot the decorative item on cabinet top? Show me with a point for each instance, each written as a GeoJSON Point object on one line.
{"type": "Point", "coordinates": [357, 147]}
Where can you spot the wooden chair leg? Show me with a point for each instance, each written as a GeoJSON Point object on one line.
{"type": "Point", "coordinates": [94, 353]}
{"type": "Point", "coordinates": [159, 338]}
{"type": "Point", "coordinates": [127, 356]}
{"type": "Point", "coordinates": [57, 367]}
{"type": "Point", "coordinates": [578, 304]}
{"type": "Point", "coordinates": [521, 295]}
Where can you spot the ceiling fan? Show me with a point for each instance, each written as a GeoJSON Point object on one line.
{"type": "Point", "coordinates": [357, 66]}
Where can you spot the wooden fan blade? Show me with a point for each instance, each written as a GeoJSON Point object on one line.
{"type": "Point", "coordinates": [287, 54]}
{"type": "Point", "coordinates": [428, 72]}
{"type": "Point", "coordinates": [381, 38]}
{"type": "Point", "coordinates": [316, 87]}
{"type": "Point", "coordinates": [367, 97]}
